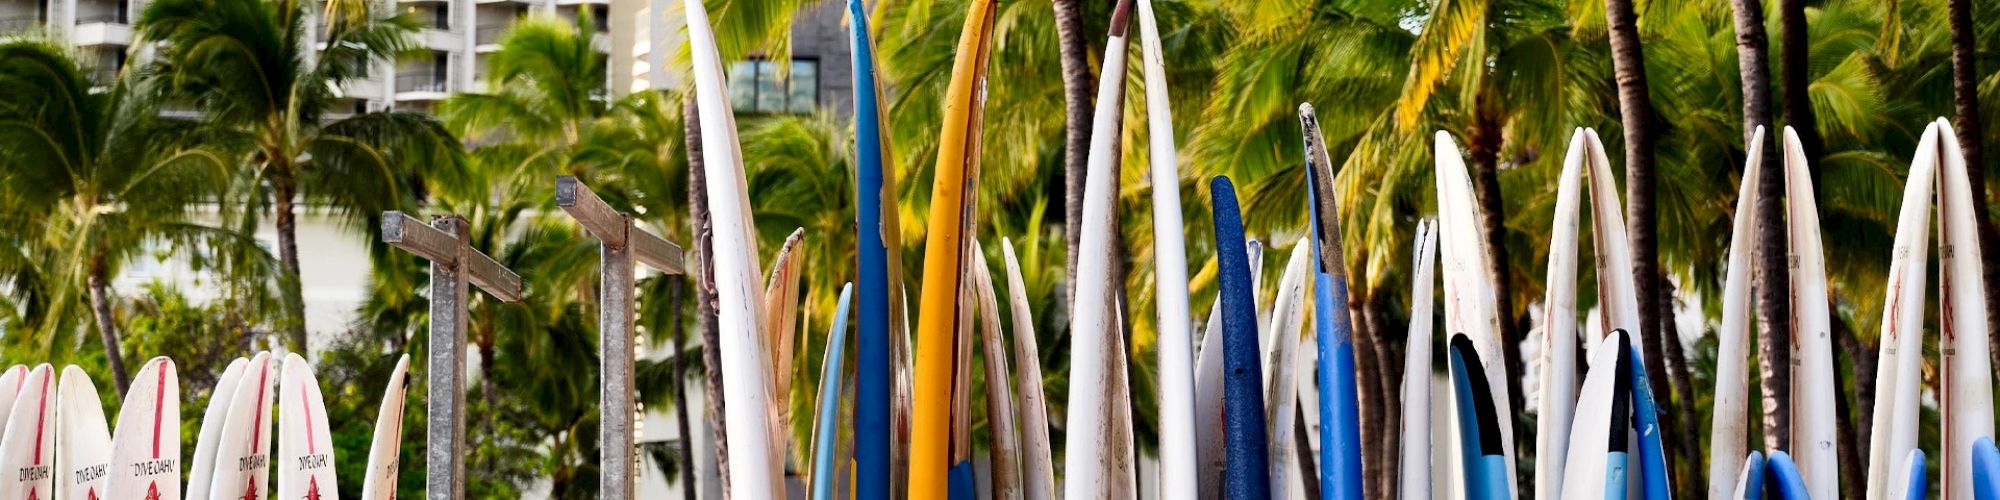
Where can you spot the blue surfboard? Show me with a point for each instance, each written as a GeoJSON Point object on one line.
{"type": "Point", "coordinates": [960, 485]}
{"type": "Point", "coordinates": [1784, 479]}
{"type": "Point", "coordinates": [1339, 403]}
{"type": "Point", "coordinates": [874, 369]}
{"type": "Point", "coordinates": [1248, 466]}
{"type": "Point", "coordinates": [828, 428]}
{"type": "Point", "coordinates": [1916, 487]}
{"type": "Point", "coordinates": [1646, 420]}
{"type": "Point", "coordinates": [1985, 470]}
{"type": "Point", "coordinates": [1485, 458]}
{"type": "Point", "coordinates": [1618, 445]}
{"type": "Point", "coordinates": [1750, 482]}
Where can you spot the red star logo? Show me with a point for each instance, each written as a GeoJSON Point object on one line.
{"type": "Point", "coordinates": [153, 491]}
{"type": "Point", "coordinates": [312, 489]}
{"type": "Point", "coordinates": [250, 490]}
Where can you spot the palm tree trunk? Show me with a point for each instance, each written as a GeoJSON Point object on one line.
{"type": "Point", "coordinates": [490, 392]}
{"type": "Point", "coordinates": [1485, 153]}
{"type": "Point", "coordinates": [1077, 88]}
{"type": "Point", "coordinates": [1382, 480]}
{"type": "Point", "coordinates": [1846, 418]}
{"type": "Point", "coordinates": [705, 293]}
{"type": "Point", "coordinates": [1370, 404]}
{"type": "Point", "coordinates": [286, 190]}
{"type": "Point", "coordinates": [107, 326]}
{"type": "Point", "coordinates": [1797, 78]}
{"type": "Point", "coordinates": [1689, 473]}
{"type": "Point", "coordinates": [1636, 110]}
{"type": "Point", "coordinates": [1773, 287]}
{"type": "Point", "coordinates": [1965, 120]}
{"type": "Point", "coordinates": [678, 386]}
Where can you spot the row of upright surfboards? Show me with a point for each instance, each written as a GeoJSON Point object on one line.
{"type": "Point", "coordinates": [57, 444]}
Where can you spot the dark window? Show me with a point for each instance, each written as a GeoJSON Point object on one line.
{"type": "Point", "coordinates": [758, 86]}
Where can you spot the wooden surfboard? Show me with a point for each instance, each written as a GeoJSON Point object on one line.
{"type": "Point", "coordinates": [385, 450]}
{"type": "Point", "coordinates": [27, 451]}
{"type": "Point", "coordinates": [305, 440]}
{"type": "Point", "coordinates": [1731, 410]}
{"type": "Point", "coordinates": [1897, 382]}
{"type": "Point", "coordinates": [1037, 467]}
{"type": "Point", "coordinates": [1416, 453]}
{"type": "Point", "coordinates": [1966, 375]}
{"type": "Point", "coordinates": [219, 399]}
{"type": "Point", "coordinates": [243, 449]}
{"type": "Point", "coordinates": [146, 445]}
{"type": "Point", "coordinates": [83, 438]}
{"type": "Point", "coordinates": [1557, 380]}
{"type": "Point", "coordinates": [1814, 438]}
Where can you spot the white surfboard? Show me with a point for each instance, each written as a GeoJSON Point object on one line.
{"type": "Point", "coordinates": [10, 388]}
{"type": "Point", "coordinates": [739, 301]}
{"type": "Point", "coordinates": [1557, 381]}
{"type": "Point", "coordinates": [1281, 354]}
{"type": "Point", "coordinates": [1731, 410]}
{"type": "Point", "coordinates": [1038, 476]}
{"type": "Point", "coordinates": [305, 440]}
{"type": "Point", "coordinates": [1590, 431]}
{"type": "Point", "coordinates": [1966, 374]}
{"type": "Point", "coordinates": [203, 466]}
{"type": "Point", "coordinates": [83, 438]}
{"type": "Point", "coordinates": [27, 452]}
{"type": "Point", "coordinates": [1470, 303]}
{"type": "Point", "coordinates": [385, 450]}
{"type": "Point", "coordinates": [1617, 288]}
{"type": "Point", "coordinates": [1416, 453]}
{"type": "Point", "coordinates": [1088, 470]}
{"type": "Point", "coordinates": [1176, 344]}
{"type": "Point", "coordinates": [1813, 440]}
{"type": "Point", "coordinates": [146, 445]}
{"type": "Point", "coordinates": [243, 449]}
{"type": "Point", "coordinates": [1897, 383]}
{"type": "Point", "coordinates": [1005, 444]}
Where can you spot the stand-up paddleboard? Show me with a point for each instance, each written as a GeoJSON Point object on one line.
{"type": "Point", "coordinates": [1415, 462]}
{"type": "Point", "coordinates": [1470, 303]}
{"type": "Point", "coordinates": [1248, 468]}
{"type": "Point", "coordinates": [1006, 444]}
{"type": "Point", "coordinates": [1038, 471]}
{"type": "Point", "coordinates": [1966, 374]}
{"type": "Point", "coordinates": [1784, 478]}
{"type": "Point", "coordinates": [83, 438]}
{"type": "Point", "coordinates": [1650, 452]}
{"type": "Point", "coordinates": [385, 450]}
{"type": "Point", "coordinates": [1176, 344]}
{"type": "Point", "coordinates": [243, 449]}
{"type": "Point", "coordinates": [146, 445]}
{"type": "Point", "coordinates": [1985, 470]}
{"type": "Point", "coordinates": [1749, 483]}
{"type": "Point", "coordinates": [826, 428]}
{"type": "Point", "coordinates": [1897, 384]}
{"type": "Point", "coordinates": [1731, 410]}
{"type": "Point", "coordinates": [739, 301]}
{"type": "Point", "coordinates": [1481, 458]}
{"type": "Point", "coordinates": [1812, 349]}
{"type": "Point", "coordinates": [305, 439]}
{"type": "Point", "coordinates": [877, 293]}
{"type": "Point", "coordinates": [219, 399]}
{"type": "Point", "coordinates": [943, 259]}
{"type": "Point", "coordinates": [780, 328]}
{"type": "Point", "coordinates": [1090, 455]}
{"type": "Point", "coordinates": [1912, 483]}
{"type": "Point", "coordinates": [1601, 420]}
{"type": "Point", "coordinates": [10, 388]}
{"type": "Point", "coordinates": [27, 452]}
{"type": "Point", "coordinates": [1557, 380]}
{"type": "Point", "coordinates": [1281, 356]}
{"type": "Point", "coordinates": [1339, 402]}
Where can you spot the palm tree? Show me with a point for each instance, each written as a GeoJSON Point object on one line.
{"type": "Point", "coordinates": [260, 76]}
{"type": "Point", "coordinates": [1794, 47]}
{"type": "Point", "coordinates": [1078, 95]}
{"type": "Point", "coordinates": [1773, 288]}
{"type": "Point", "coordinates": [97, 178]}
{"type": "Point", "coordinates": [1965, 118]}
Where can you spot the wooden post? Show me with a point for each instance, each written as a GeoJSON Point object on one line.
{"type": "Point", "coordinates": [454, 266]}
{"type": "Point", "coordinates": [622, 244]}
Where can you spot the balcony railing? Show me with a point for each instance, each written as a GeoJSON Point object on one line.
{"type": "Point", "coordinates": [489, 34]}
{"type": "Point", "coordinates": [106, 17]}
{"type": "Point", "coordinates": [421, 83]}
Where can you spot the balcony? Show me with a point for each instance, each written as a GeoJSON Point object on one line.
{"type": "Point", "coordinates": [422, 83]}
{"type": "Point", "coordinates": [487, 38]}
{"type": "Point", "coordinates": [20, 23]}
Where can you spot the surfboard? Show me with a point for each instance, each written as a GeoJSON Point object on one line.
{"type": "Point", "coordinates": [1176, 344]}
{"type": "Point", "coordinates": [1812, 349]}
{"type": "Point", "coordinates": [1785, 478]}
{"type": "Point", "coordinates": [1966, 375]}
{"type": "Point", "coordinates": [385, 449]}
{"type": "Point", "coordinates": [1339, 402]}
{"type": "Point", "coordinates": [826, 428]}
{"type": "Point", "coordinates": [1913, 485]}
{"type": "Point", "coordinates": [1281, 356]}
{"type": "Point", "coordinates": [1482, 461]}
{"type": "Point", "coordinates": [1089, 457]}
{"type": "Point", "coordinates": [1415, 461]}
{"type": "Point", "coordinates": [27, 451]}
{"type": "Point", "coordinates": [1731, 407]}
{"type": "Point", "coordinates": [1650, 451]}
{"type": "Point", "coordinates": [305, 439]}
{"type": "Point", "coordinates": [1557, 381]}
{"type": "Point", "coordinates": [1248, 467]}
{"type": "Point", "coordinates": [1617, 288]}
{"type": "Point", "coordinates": [943, 255]}
{"type": "Point", "coordinates": [1897, 383]}
{"type": "Point", "coordinates": [10, 388]}
{"type": "Point", "coordinates": [243, 449]}
{"type": "Point", "coordinates": [1985, 470]}
{"type": "Point", "coordinates": [961, 481]}
{"type": "Point", "coordinates": [146, 444]}
{"type": "Point", "coordinates": [877, 292]}
{"type": "Point", "coordinates": [219, 399]}
{"type": "Point", "coordinates": [1469, 294]}
{"type": "Point", "coordinates": [739, 301]}
{"type": "Point", "coordinates": [83, 438]}
{"type": "Point", "coordinates": [1601, 424]}
{"type": "Point", "coordinates": [1005, 446]}
{"type": "Point", "coordinates": [781, 313]}
{"type": "Point", "coordinates": [1210, 456]}
{"type": "Point", "coordinates": [1749, 479]}
{"type": "Point", "coordinates": [1037, 467]}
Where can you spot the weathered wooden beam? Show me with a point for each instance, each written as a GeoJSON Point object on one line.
{"type": "Point", "coordinates": [433, 243]}
{"type": "Point", "coordinates": [614, 228]}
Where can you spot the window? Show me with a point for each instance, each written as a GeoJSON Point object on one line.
{"type": "Point", "coordinates": [757, 86]}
